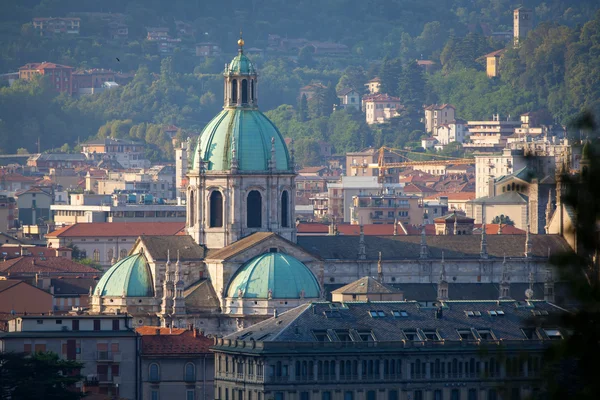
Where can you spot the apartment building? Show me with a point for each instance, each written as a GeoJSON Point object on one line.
{"type": "Point", "coordinates": [489, 135]}
{"type": "Point", "coordinates": [56, 26]}
{"type": "Point", "coordinates": [387, 207]}
{"type": "Point", "coordinates": [437, 115]}
{"type": "Point", "coordinates": [380, 108]}
{"type": "Point", "coordinates": [105, 344]}
{"type": "Point", "coordinates": [59, 75]}
{"type": "Point", "coordinates": [390, 350]}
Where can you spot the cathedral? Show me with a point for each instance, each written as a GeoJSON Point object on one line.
{"type": "Point", "coordinates": [240, 260]}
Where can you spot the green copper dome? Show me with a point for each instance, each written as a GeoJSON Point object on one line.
{"type": "Point", "coordinates": [283, 274]}
{"type": "Point", "coordinates": [130, 276]}
{"type": "Point", "coordinates": [250, 132]}
{"type": "Point", "coordinates": [241, 65]}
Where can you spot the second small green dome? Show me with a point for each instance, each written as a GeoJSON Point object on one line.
{"type": "Point", "coordinates": [130, 277]}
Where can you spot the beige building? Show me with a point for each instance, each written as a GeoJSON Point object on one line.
{"type": "Point", "coordinates": [489, 135]}
{"type": "Point", "coordinates": [105, 344]}
{"type": "Point", "coordinates": [522, 24]}
{"type": "Point", "coordinates": [380, 108]}
{"type": "Point", "coordinates": [513, 205]}
{"type": "Point", "coordinates": [489, 166]}
{"type": "Point", "coordinates": [437, 115]}
{"type": "Point", "coordinates": [357, 164]}
{"type": "Point", "coordinates": [455, 201]}
{"type": "Point", "coordinates": [385, 207]}
{"type": "Point", "coordinates": [492, 63]}
{"type": "Point", "coordinates": [373, 85]}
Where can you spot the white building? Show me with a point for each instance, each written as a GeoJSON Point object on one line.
{"type": "Point", "coordinates": [489, 135]}
{"type": "Point", "coordinates": [437, 115]}
{"type": "Point", "coordinates": [489, 166]}
{"type": "Point", "coordinates": [349, 98]}
{"type": "Point", "coordinates": [452, 132]}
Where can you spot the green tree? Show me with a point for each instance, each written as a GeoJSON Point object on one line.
{"type": "Point", "coordinates": [302, 109]}
{"type": "Point", "coordinates": [305, 57]}
{"type": "Point", "coordinates": [22, 150]}
{"type": "Point", "coordinates": [39, 376]}
{"type": "Point", "coordinates": [389, 74]}
{"type": "Point", "coordinates": [503, 219]}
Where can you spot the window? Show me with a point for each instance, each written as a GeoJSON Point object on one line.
{"type": "Point", "coordinates": [399, 314]}
{"type": "Point", "coordinates": [96, 255]}
{"type": "Point", "coordinates": [465, 334]}
{"type": "Point", "coordinates": [553, 334]}
{"type": "Point", "coordinates": [455, 394]}
{"type": "Point", "coordinates": [190, 395]}
{"type": "Point", "coordinates": [110, 254]}
{"type": "Point", "coordinates": [377, 313]}
{"type": "Point", "coordinates": [486, 334]}
{"type": "Point", "coordinates": [216, 209]}
{"type": "Point", "coordinates": [343, 335]}
{"type": "Point", "coordinates": [418, 395]}
{"type": "Point", "coordinates": [371, 395]}
{"type": "Point", "coordinates": [366, 336]}
{"type": "Point", "coordinates": [432, 335]}
{"type": "Point", "coordinates": [192, 208]}
{"type": "Point", "coordinates": [75, 325]}
{"type": "Point", "coordinates": [40, 321]}
{"type": "Point", "coordinates": [348, 395]}
{"type": "Point", "coordinates": [437, 395]}
{"type": "Point", "coordinates": [115, 324]}
{"type": "Point", "coordinates": [190, 372]}
{"type": "Point", "coordinates": [393, 395]}
{"type": "Point", "coordinates": [304, 396]}
{"type": "Point", "coordinates": [234, 89]}
{"type": "Point", "coordinates": [492, 395]}
{"type": "Point", "coordinates": [155, 395]}
{"type": "Point", "coordinates": [39, 348]}
{"type": "Point", "coordinates": [96, 324]}
{"type": "Point", "coordinates": [154, 373]}
{"type": "Point", "coordinates": [285, 210]}
{"type": "Point", "coordinates": [321, 336]}
{"type": "Point", "coordinates": [254, 209]}
{"type": "Point", "coordinates": [411, 335]}
{"type": "Point", "coordinates": [472, 394]}
{"type": "Point", "coordinates": [279, 396]}
{"type": "Point", "coordinates": [530, 333]}
{"type": "Point", "coordinates": [123, 253]}
{"type": "Point", "coordinates": [244, 91]}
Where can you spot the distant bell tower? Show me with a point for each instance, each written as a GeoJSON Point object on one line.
{"type": "Point", "coordinates": [523, 23]}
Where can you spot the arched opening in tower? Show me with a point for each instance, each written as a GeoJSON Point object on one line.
{"type": "Point", "coordinates": [244, 91]}
{"type": "Point", "coordinates": [285, 217]}
{"type": "Point", "coordinates": [192, 207]}
{"type": "Point", "coordinates": [253, 98]}
{"type": "Point", "coordinates": [254, 209]}
{"type": "Point", "coordinates": [234, 93]}
{"type": "Point", "coordinates": [216, 209]}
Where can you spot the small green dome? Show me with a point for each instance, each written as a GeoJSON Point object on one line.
{"type": "Point", "coordinates": [251, 132]}
{"type": "Point", "coordinates": [240, 65]}
{"type": "Point", "coordinates": [130, 276]}
{"type": "Point", "coordinates": [283, 274]}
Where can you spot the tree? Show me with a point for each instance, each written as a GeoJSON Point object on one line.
{"type": "Point", "coordinates": [389, 74]}
{"type": "Point", "coordinates": [503, 220]}
{"type": "Point", "coordinates": [302, 109]}
{"type": "Point", "coordinates": [38, 376]}
{"type": "Point", "coordinates": [22, 150]}
{"type": "Point", "coordinates": [571, 364]}
{"type": "Point", "coordinates": [305, 57]}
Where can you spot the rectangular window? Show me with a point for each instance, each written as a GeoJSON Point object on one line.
{"type": "Point", "coordinates": [304, 396]}
{"type": "Point", "coordinates": [393, 395]}
{"type": "Point", "coordinates": [191, 395]}
{"type": "Point", "coordinates": [40, 348]}
{"type": "Point", "coordinates": [75, 325]}
{"type": "Point", "coordinates": [115, 324]}
{"type": "Point", "coordinates": [40, 321]}
{"type": "Point", "coordinates": [96, 324]}
{"type": "Point", "coordinates": [155, 395]}
{"type": "Point", "coordinates": [321, 336]}
{"type": "Point", "coordinates": [437, 395]}
{"type": "Point", "coordinates": [27, 348]}
{"type": "Point", "coordinates": [325, 395]}
{"type": "Point", "coordinates": [348, 395]}
{"type": "Point", "coordinates": [472, 394]}
{"type": "Point", "coordinates": [371, 395]}
{"type": "Point", "coordinates": [455, 394]}
{"type": "Point", "coordinates": [418, 395]}
{"type": "Point", "coordinates": [492, 395]}
{"type": "Point", "coordinates": [279, 396]}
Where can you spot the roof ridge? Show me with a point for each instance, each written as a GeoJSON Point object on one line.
{"type": "Point", "coordinates": [289, 324]}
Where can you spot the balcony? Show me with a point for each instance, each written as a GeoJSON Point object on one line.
{"type": "Point", "coordinates": [108, 356]}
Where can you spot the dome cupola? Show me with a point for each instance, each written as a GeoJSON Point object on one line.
{"type": "Point", "coordinates": [274, 276]}
{"type": "Point", "coordinates": [129, 277]}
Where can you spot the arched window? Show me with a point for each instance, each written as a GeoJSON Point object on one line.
{"type": "Point", "coordinates": [154, 373]}
{"type": "Point", "coordinates": [216, 209]}
{"type": "Point", "coordinates": [252, 91]}
{"type": "Point", "coordinates": [512, 187]}
{"type": "Point", "coordinates": [254, 209]}
{"type": "Point", "coordinates": [234, 96]}
{"type": "Point", "coordinates": [123, 253]}
{"type": "Point", "coordinates": [190, 372]}
{"type": "Point", "coordinates": [192, 207]}
{"type": "Point", "coordinates": [96, 255]}
{"type": "Point", "coordinates": [244, 91]}
{"type": "Point", "coordinates": [110, 254]}
{"type": "Point", "coordinates": [285, 214]}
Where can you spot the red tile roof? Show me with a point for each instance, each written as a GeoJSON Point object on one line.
{"type": "Point", "coordinates": [316, 228]}
{"type": "Point", "coordinates": [186, 342]}
{"type": "Point", "coordinates": [151, 330]}
{"type": "Point", "coordinates": [417, 188]}
{"type": "Point", "coordinates": [124, 229]}
{"type": "Point", "coordinates": [380, 97]}
{"type": "Point", "coordinates": [16, 178]}
{"type": "Point", "coordinates": [53, 265]}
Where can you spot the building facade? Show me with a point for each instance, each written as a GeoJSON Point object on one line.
{"type": "Point", "coordinates": [106, 345]}
{"type": "Point", "coordinates": [389, 350]}
{"type": "Point", "coordinates": [58, 75]}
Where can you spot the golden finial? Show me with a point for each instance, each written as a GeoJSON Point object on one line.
{"type": "Point", "coordinates": [241, 41]}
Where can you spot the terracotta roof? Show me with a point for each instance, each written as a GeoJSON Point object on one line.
{"type": "Point", "coordinates": [417, 188]}
{"type": "Point", "coordinates": [73, 286]}
{"type": "Point", "coordinates": [125, 229]}
{"type": "Point", "coordinates": [187, 342]}
{"type": "Point", "coordinates": [496, 53]}
{"type": "Point", "coordinates": [8, 283]}
{"type": "Point", "coordinates": [16, 178]}
{"type": "Point", "coordinates": [492, 229]}
{"type": "Point", "coordinates": [308, 170]}
{"type": "Point", "coordinates": [380, 97]}
{"type": "Point", "coordinates": [365, 285]}
{"type": "Point", "coordinates": [151, 330]}
{"type": "Point", "coordinates": [29, 264]}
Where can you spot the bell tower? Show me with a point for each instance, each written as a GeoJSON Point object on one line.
{"type": "Point", "coordinates": [242, 175]}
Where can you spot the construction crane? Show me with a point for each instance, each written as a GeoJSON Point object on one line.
{"type": "Point", "coordinates": [383, 166]}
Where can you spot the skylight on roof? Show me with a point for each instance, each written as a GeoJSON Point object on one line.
{"type": "Point", "coordinates": [377, 313]}
{"type": "Point", "coordinates": [245, 335]}
{"type": "Point", "coordinates": [399, 313]}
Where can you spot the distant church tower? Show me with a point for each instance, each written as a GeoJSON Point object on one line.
{"type": "Point", "coordinates": [241, 174]}
{"type": "Point", "coordinates": [522, 24]}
